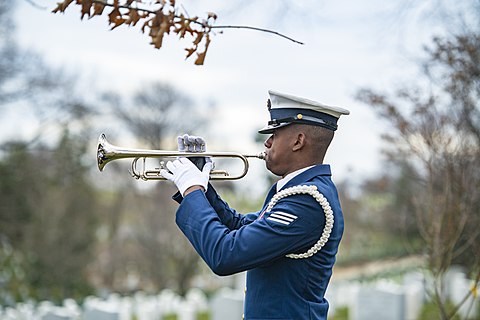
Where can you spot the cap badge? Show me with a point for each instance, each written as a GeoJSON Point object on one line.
{"type": "Point", "coordinates": [269, 105]}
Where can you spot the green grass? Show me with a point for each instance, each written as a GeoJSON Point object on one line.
{"type": "Point", "coordinates": [341, 314]}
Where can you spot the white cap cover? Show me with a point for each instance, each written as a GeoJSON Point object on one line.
{"type": "Point", "coordinates": [285, 109]}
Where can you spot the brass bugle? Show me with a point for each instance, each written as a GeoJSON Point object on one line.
{"type": "Point", "coordinates": [107, 152]}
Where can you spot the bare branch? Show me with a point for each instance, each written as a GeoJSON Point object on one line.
{"type": "Point", "coordinates": [258, 29]}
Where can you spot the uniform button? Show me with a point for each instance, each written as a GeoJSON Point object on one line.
{"type": "Point", "coordinates": [243, 316]}
{"type": "Point", "coordinates": [245, 291]}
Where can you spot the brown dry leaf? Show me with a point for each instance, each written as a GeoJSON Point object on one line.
{"type": "Point", "coordinates": [62, 6]}
{"type": "Point", "coordinates": [181, 30]}
{"type": "Point", "coordinates": [113, 15]}
{"type": "Point", "coordinates": [118, 23]}
{"type": "Point", "coordinates": [199, 38]}
{"type": "Point", "coordinates": [86, 7]}
{"type": "Point", "coordinates": [98, 9]}
{"type": "Point", "coordinates": [207, 42]}
{"type": "Point", "coordinates": [156, 21]}
{"type": "Point", "coordinates": [165, 27]}
{"type": "Point", "coordinates": [169, 21]}
{"type": "Point", "coordinates": [201, 58]}
{"type": "Point", "coordinates": [115, 18]}
{"type": "Point", "coordinates": [190, 51]}
{"type": "Point", "coordinates": [153, 32]}
{"type": "Point", "coordinates": [183, 26]}
{"type": "Point", "coordinates": [133, 17]}
{"type": "Point", "coordinates": [144, 26]}
{"type": "Point", "coordinates": [157, 40]}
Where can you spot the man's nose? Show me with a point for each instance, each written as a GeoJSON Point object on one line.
{"type": "Point", "coordinates": [268, 142]}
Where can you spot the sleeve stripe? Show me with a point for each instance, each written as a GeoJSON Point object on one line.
{"type": "Point", "coordinates": [281, 217]}
{"type": "Point", "coordinates": [286, 214]}
{"type": "Point", "coordinates": [278, 220]}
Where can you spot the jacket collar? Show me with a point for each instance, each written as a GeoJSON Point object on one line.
{"type": "Point", "coordinates": [318, 170]}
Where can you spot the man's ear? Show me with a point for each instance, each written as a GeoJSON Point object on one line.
{"type": "Point", "coordinates": [299, 142]}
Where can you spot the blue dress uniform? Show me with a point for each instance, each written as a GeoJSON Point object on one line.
{"type": "Point", "coordinates": [283, 281]}
{"type": "Point", "coordinates": [277, 287]}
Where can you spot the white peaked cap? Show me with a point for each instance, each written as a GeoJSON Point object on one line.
{"type": "Point", "coordinates": [285, 109]}
{"type": "Point", "coordinates": [282, 100]}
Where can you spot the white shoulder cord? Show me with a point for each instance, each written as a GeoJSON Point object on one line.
{"type": "Point", "coordinates": [311, 190]}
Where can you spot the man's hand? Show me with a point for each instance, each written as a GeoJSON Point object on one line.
{"type": "Point", "coordinates": [184, 174]}
{"type": "Point", "coordinates": [187, 143]}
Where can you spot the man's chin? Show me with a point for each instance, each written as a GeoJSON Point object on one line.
{"type": "Point", "coordinates": [268, 166]}
{"type": "Point", "coordinates": [273, 170]}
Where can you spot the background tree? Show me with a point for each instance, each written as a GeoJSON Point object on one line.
{"type": "Point", "coordinates": [158, 255]}
{"type": "Point", "coordinates": [377, 212]}
{"type": "Point", "coordinates": [48, 217]}
{"type": "Point", "coordinates": [21, 73]}
{"type": "Point", "coordinates": [46, 201]}
{"type": "Point", "coordinates": [156, 112]}
{"type": "Point", "coordinates": [435, 131]}
{"type": "Point", "coordinates": [62, 233]}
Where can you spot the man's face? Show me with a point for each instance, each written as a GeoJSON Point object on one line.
{"type": "Point", "coordinates": [278, 150]}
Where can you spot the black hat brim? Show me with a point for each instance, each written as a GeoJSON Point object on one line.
{"type": "Point", "coordinates": [271, 128]}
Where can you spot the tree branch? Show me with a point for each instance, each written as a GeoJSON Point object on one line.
{"type": "Point", "coordinates": [258, 29]}
{"type": "Point", "coordinates": [159, 21]}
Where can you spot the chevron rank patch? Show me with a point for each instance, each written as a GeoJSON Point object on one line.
{"type": "Point", "coordinates": [282, 217]}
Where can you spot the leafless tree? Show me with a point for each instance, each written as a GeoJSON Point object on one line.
{"type": "Point", "coordinates": [435, 130]}
{"type": "Point", "coordinates": [143, 226]}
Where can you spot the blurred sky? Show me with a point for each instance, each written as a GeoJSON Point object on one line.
{"type": "Point", "coordinates": [349, 44]}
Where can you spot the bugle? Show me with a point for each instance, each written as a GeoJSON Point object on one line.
{"type": "Point", "coordinates": [107, 152]}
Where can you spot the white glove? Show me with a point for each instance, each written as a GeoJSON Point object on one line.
{"type": "Point", "coordinates": [187, 143]}
{"type": "Point", "coordinates": [195, 144]}
{"type": "Point", "coordinates": [185, 174]}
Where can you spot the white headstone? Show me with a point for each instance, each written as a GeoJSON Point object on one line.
{"type": "Point", "coordinates": [98, 314]}
{"type": "Point", "coordinates": [168, 301]}
{"type": "Point", "coordinates": [453, 276]}
{"type": "Point", "coordinates": [197, 299]}
{"type": "Point", "coordinates": [415, 294]}
{"type": "Point", "coordinates": [341, 294]}
{"type": "Point", "coordinates": [227, 304]}
{"type": "Point", "coordinates": [240, 281]}
{"type": "Point", "coordinates": [97, 309]}
{"type": "Point", "coordinates": [59, 313]}
{"type": "Point", "coordinates": [11, 314]}
{"type": "Point", "coordinates": [147, 307]}
{"type": "Point", "coordinates": [25, 310]}
{"type": "Point", "coordinates": [186, 311]}
{"type": "Point", "coordinates": [384, 301]}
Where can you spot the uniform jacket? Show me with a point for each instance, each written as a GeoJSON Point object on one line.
{"type": "Point", "coordinates": [277, 287]}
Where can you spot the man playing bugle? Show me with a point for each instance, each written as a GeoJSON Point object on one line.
{"type": "Point", "coordinates": [288, 247]}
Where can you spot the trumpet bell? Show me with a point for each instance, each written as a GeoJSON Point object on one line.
{"type": "Point", "coordinates": [103, 156]}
